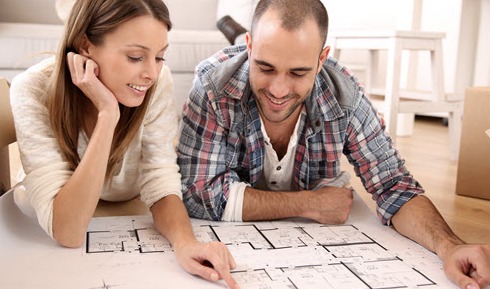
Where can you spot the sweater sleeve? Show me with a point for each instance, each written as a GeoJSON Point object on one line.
{"type": "Point", "coordinates": [42, 161]}
{"type": "Point", "coordinates": [159, 172]}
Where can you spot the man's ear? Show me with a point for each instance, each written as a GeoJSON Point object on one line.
{"type": "Point", "coordinates": [248, 39]}
{"type": "Point", "coordinates": [323, 57]}
{"type": "Point", "coordinates": [85, 45]}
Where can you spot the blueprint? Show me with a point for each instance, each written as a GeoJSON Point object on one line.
{"type": "Point", "coordinates": [288, 254]}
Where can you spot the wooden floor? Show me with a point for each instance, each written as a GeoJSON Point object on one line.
{"type": "Point", "coordinates": [427, 157]}
{"type": "Point", "coordinates": [426, 153]}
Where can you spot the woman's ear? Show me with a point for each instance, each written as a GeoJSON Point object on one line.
{"type": "Point", "coordinates": [85, 45]}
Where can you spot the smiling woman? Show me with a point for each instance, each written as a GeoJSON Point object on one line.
{"type": "Point", "coordinates": [102, 117]}
{"type": "Point", "coordinates": [132, 51]}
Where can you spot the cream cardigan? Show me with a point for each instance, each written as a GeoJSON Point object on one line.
{"type": "Point", "coordinates": [149, 167]}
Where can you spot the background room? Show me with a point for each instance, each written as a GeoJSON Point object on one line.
{"type": "Point", "coordinates": [367, 35]}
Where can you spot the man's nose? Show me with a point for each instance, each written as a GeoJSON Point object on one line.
{"type": "Point", "coordinates": [279, 86]}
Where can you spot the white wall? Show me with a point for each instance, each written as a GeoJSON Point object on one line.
{"type": "Point", "coordinates": [29, 11]}
{"type": "Point", "coordinates": [466, 57]}
{"type": "Point", "coordinates": [482, 67]}
{"type": "Point", "coordinates": [374, 14]}
{"type": "Point", "coordinates": [445, 17]}
{"type": "Point", "coordinates": [437, 16]}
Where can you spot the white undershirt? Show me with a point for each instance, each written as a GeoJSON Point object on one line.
{"type": "Point", "coordinates": [276, 176]}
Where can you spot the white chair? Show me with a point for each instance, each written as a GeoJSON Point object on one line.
{"type": "Point", "coordinates": [7, 135]}
{"type": "Point", "coordinates": [411, 101]}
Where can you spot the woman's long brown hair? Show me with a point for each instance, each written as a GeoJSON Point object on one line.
{"type": "Point", "coordinates": [95, 18]}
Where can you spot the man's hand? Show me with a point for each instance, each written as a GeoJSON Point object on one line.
{"type": "Point", "coordinates": [328, 205]}
{"type": "Point", "coordinates": [212, 261]}
{"type": "Point", "coordinates": [468, 266]}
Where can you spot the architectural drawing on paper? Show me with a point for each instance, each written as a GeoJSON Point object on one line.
{"type": "Point", "coordinates": [138, 235]}
{"type": "Point", "coordinates": [282, 254]}
{"type": "Point", "coordinates": [105, 286]}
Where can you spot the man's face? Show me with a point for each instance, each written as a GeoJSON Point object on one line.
{"type": "Point", "coordinates": [283, 65]}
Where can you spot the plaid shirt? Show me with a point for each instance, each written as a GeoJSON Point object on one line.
{"type": "Point", "coordinates": [222, 143]}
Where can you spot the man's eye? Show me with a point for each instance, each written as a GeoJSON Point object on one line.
{"type": "Point", "coordinates": [266, 70]}
{"type": "Point", "coordinates": [299, 75]}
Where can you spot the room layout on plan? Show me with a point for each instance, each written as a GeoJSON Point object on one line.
{"type": "Point", "coordinates": [282, 254]}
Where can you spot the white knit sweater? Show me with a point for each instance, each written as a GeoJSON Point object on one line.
{"type": "Point", "coordinates": [149, 167]}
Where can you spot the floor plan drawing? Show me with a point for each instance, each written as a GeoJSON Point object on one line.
{"type": "Point", "coordinates": [135, 236]}
{"type": "Point", "coordinates": [127, 252]}
{"type": "Point", "coordinates": [293, 254]}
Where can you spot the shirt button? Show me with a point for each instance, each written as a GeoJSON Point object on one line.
{"type": "Point", "coordinates": [273, 182]}
{"type": "Point", "coordinates": [278, 168]}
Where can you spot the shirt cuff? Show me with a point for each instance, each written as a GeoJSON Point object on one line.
{"type": "Point", "coordinates": [234, 205]}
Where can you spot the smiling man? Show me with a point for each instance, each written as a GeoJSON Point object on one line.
{"type": "Point", "coordinates": [267, 123]}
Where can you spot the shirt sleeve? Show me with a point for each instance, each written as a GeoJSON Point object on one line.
{"type": "Point", "coordinates": [234, 205]}
{"type": "Point", "coordinates": [206, 178]}
{"type": "Point", "coordinates": [378, 164]}
{"type": "Point", "coordinates": [42, 161]}
{"type": "Point", "coordinates": [159, 172]}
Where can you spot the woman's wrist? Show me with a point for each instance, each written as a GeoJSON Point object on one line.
{"type": "Point", "coordinates": [108, 117]}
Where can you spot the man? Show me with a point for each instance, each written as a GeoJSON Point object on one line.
{"type": "Point", "coordinates": [267, 123]}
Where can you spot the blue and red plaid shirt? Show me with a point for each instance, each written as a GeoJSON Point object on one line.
{"type": "Point", "coordinates": [222, 143]}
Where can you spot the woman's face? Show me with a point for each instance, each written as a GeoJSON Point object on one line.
{"type": "Point", "coordinates": [130, 58]}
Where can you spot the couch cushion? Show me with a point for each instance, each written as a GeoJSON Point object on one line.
{"type": "Point", "coordinates": [189, 47]}
{"type": "Point", "coordinates": [26, 44]}
{"type": "Point", "coordinates": [193, 14]}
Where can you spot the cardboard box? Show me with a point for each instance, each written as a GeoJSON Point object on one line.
{"type": "Point", "coordinates": [473, 177]}
{"type": "Point", "coordinates": [6, 135]}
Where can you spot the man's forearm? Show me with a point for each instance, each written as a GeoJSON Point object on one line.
{"type": "Point", "coordinates": [270, 205]}
{"type": "Point", "coordinates": [327, 205]}
{"type": "Point", "coordinates": [420, 221]}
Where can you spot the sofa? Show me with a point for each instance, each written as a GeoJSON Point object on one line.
{"type": "Point", "coordinates": [193, 38]}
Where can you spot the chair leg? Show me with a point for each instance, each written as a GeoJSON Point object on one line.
{"type": "Point", "coordinates": [405, 124]}
{"type": "Point", "coordinates": [455, 123]}
{"type": "Point", "coordinates": [437, 72]}
{"type": "Point", "coordinates": [392, 91]}
{"type": "Point", "coordinates": [372, 70]}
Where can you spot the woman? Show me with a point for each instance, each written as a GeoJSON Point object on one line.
{"type": "Point", "coordinates": [97, 122]}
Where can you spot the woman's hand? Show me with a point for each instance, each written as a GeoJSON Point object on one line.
{"type": "Point", "coordinates": [84, 74]}
{"type": "Point", "coordinates": [212, 261]}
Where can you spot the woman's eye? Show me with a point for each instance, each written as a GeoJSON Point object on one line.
{"type": "Point", "coordinates": [160, 59]}
{"type": "Point", "coordinates": [135, 59]}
